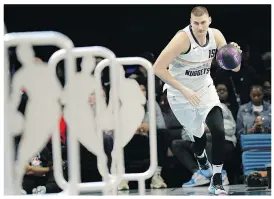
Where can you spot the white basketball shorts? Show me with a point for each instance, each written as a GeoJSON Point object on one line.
{"type": "Point", "coordinates": [193, 117]}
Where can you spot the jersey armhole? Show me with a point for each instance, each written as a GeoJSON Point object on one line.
{"type": "Point", "coordinates": [187, 50]}
{"type": "Point", "coordinates": [184, 53]}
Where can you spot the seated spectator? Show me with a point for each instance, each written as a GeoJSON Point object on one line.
{"type": "Point", "coordinates": [39, 172]}
{"type": "Point", "coordinates": [265, 66]}
{"type": "Point", "coordinates": [227, 99]}
{"type": "Point", "coordinates": [254, 116]}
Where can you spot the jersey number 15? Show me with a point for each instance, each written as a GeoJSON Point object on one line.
{"type": "Point", "coordinates": [212, 53]}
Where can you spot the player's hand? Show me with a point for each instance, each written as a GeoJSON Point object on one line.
{"type": "Point", "coordinates": [236, 46]}
{"type": "Point", "coordinates": [237, 69]}
{"type": "Point", "coordinates": [191, 96]}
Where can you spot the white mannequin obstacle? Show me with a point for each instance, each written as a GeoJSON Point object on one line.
{"type": "Point", "coordinates": [68, 53]}
{"type": "Point", "coordinates": [140, 177]}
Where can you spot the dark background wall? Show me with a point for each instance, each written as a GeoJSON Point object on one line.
{"type": "Point", "coordinates": [130, 30]}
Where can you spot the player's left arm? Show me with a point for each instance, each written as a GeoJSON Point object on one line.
{"type": "Point", "coordinates": [221, 41]}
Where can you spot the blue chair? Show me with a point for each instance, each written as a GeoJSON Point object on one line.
{"type": "Point", "coordinates": [255, 160]}
{"type": "Point", "coordinates": [255, 141]}
{"type": "Point", "coordinates": [256, 151]}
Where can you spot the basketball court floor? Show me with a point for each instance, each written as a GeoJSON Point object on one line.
{"type": "Point", "coordinates": [232, 190]}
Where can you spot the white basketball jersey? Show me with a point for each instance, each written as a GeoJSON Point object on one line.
{"type": "Point", "coordinates": [192, 68]}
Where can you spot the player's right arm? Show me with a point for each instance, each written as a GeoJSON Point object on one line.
{"type": "Point", "coordinates": [179, 44]}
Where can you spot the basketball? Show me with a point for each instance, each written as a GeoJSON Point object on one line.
{"type": "Point", "coordinates": [229, 57]}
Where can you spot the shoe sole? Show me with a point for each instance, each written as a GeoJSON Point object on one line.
{"type": "Point", "coordinates": [196, 185]}
{"type": "Point", "coordinates": [212, 191]}
{"type": "Point", "coordinates": [157, 187]}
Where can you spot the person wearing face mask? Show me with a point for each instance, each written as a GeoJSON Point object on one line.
{"type": "Point", "coordinates": [255, 116]}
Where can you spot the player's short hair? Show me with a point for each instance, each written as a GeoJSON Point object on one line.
{"type": "Point", "coordinates": [199, 11]}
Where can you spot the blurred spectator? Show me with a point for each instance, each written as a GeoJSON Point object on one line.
{"type": "Point", "coordinates": [267, 91]}
{"type": "Point", "coordinates": [266, 63]}
{"type": "Point", "coordinates": [255, 116]}
{"type": "Point", "coordinates": [230, 126]}
{"type": "Point", "coordinates": [39, 171]}
{"type": "Point", "coordinates": [227, 99]}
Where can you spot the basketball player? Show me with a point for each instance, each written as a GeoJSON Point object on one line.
{"type": "Point", "coordinates": [190, 90]}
